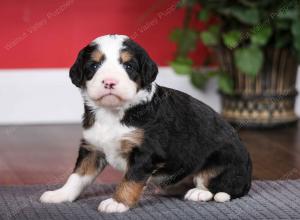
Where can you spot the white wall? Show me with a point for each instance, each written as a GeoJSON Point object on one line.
{"type": "Point", "coordinates": [35, 96]}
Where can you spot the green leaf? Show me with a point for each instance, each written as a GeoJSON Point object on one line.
{"type": "Point", "coordinates": [203, 14]}
{"type": "Point", "coordinates": [211, 36]}
{"type": "Point", "coordinates": [186, 40]}
{"type": "Point", "coordinates": [176, 35]}
{"type": "Point", "coordinates": [186, 3]}
{"type": "Point", "coordinates": [261, 36]}
{"type": "Point", "coordinates": [297, 42]}
{"type": "Point", "coordinates": [283, 24]}
{"type": "Point", "coordinates": [248, 16]}
{"type": "Point", "coordinates": [225, 83]}
{"type": "Point", "coordinates": [198, 79]}
{"type": "Point", "coordinates": [296, 34]}
{"type": "Point", "coordinates": [214, 29]}
{"type": "Point", "coordinates": [208, 38]}
{"type": "Point", "coordinates": [182, 65]}
{"type": "Point", "coordinates": [248, 3]}
{"type": "Point", "coordinates": [249, 60]}
{"type": "Point", "coordinates": [288, 13]}
{"type": "Point", "coordinates": [298, 55]}
{"type": "Point", "coordinates": [232, 39]}
{"type": "Point", "coordinates": [296, 28]}
{"type": "Point", "coordinates": [245, 15]}
{"type": "Point", "coordinates": [282, 41]}
{"type": "Point", "coordinates": [214, 73]}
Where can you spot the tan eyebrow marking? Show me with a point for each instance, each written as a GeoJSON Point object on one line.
{"type": "Point", "coordinates": [97, 55]}
{"type": "Point", "coordinates": [125, 56]}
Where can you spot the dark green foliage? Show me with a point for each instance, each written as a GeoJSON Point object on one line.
{"type": "Point", "coordinates": [246, 27]}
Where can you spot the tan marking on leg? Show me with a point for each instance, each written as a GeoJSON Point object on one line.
{"type": "Point", "coordinates": [125, 56]}
{"type": "Point", "coordinates": [131, 140]}
{"type": "Point", "coordinates": [128, 192]}
{"type": "Point", "coordinates": [91, 163]}
{"type": "Point", "coordinates": [203, 177]}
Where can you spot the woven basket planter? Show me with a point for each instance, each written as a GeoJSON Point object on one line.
{"type": "Point", "coordinates": [266, 100]}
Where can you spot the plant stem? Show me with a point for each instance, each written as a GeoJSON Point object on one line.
{"type": "Point", "coordinates": [186, 24]}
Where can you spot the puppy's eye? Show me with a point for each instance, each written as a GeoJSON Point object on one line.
{"type": "Point", "coordinates": [127, 66]}
{"type": "Point", "coordinates": [95, 65]}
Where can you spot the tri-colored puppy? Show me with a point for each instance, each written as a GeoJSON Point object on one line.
{"type": "Point", "coordinates": [152, 133]}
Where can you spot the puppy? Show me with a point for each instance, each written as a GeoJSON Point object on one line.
{"type": "Point", "coordinates": [152, 133]}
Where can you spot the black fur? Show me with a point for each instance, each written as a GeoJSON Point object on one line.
{"type": "Point", "coordinates": [84, 67]}
{"type": "Point", "coordinates": [88, 118]}
{"type": "Point", "coordinates": [85, 153]}
{"type": "Point", "coordinates": [144, 69]}
{"type": "Point", "coordinates": [182, 136]}
{"type": "Point", "coordinates": [187, 136]}
{"type": "Point", "coordinates": [82, 153]}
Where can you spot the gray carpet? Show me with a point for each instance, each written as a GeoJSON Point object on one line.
{"type": "Point", "coordinates": [266, 200]}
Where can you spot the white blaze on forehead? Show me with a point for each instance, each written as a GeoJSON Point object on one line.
{"type": "Point", "coordinates": [111, 45]}
{"type": "Point", "coordinates": [111, 69]}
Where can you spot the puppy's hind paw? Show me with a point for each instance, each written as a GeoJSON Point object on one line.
{"type": "Point", "coordinates": [222, 197]}
{"type": "Point", "coordinates": [111, 205]}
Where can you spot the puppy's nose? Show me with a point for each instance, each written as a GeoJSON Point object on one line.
{"type": "Point", "coordinates": [109, 83]}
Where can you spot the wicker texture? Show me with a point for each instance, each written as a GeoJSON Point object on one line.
{"type": "Point", "coordinates": [267, 99]}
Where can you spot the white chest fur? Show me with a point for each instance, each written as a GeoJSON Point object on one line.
{"type": "Point", "coordinates": [106, 134]}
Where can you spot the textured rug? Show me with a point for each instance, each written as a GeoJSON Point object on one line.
{"type": "Point", "coordinates": [266, 200]}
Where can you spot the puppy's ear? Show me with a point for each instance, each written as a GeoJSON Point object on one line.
{"type": "Point", "coordinates": [76, 71]}
{"type": "Point", "coordinates": [149, 70]}
{"type": "Point", "coordinates": [147, 67]}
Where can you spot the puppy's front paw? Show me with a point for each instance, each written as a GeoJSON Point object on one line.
{"type": "Point", "coordinates": [196, 194]}
{"type": "Point", "coordinates": [111, 205]}
{"type": "Point", "coordinates": [56, 196]}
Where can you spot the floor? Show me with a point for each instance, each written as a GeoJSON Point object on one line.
{"type": "Point", "coordinates": [45, 154]}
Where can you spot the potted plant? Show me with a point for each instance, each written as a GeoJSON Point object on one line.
{"type": "Point", "coordinates": [257, 45]}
